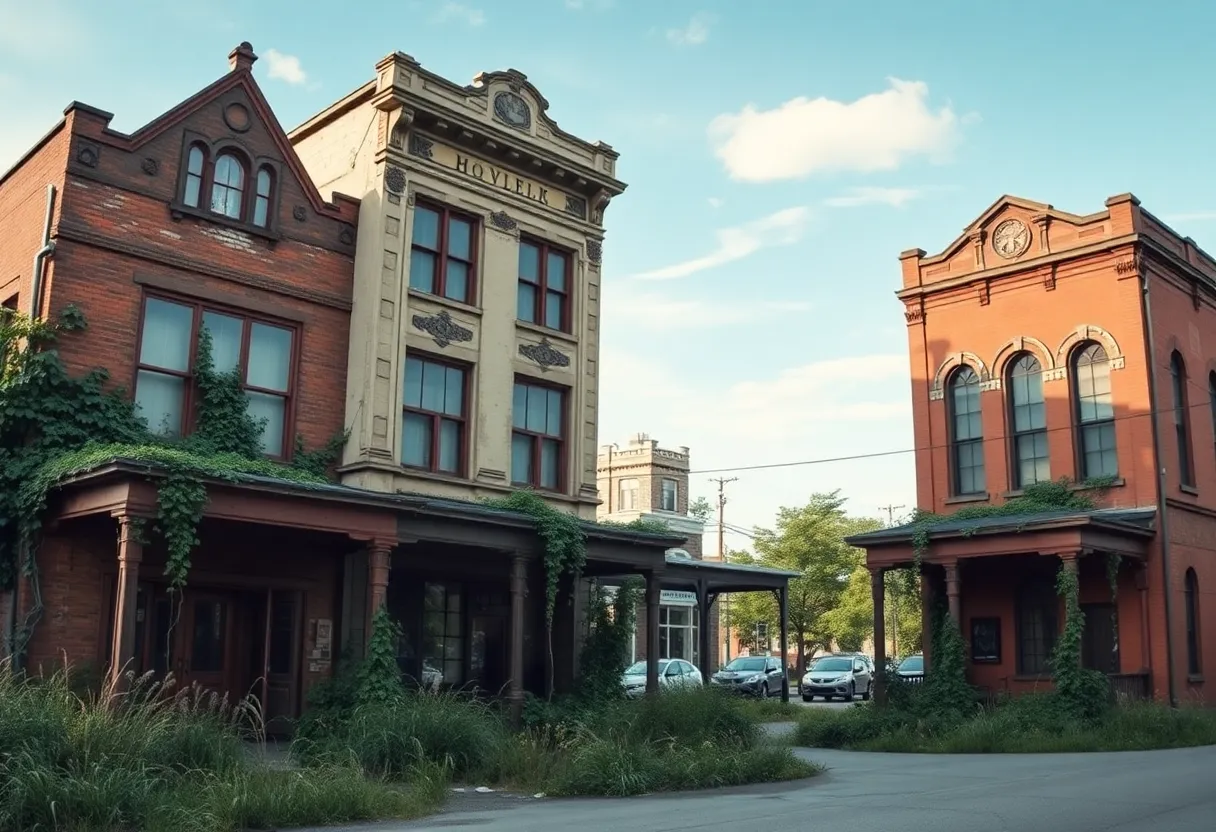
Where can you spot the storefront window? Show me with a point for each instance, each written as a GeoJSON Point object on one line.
{"type": "Point", "coordinates": [443, 636]}
{"type": "Point", "coordinates": [679, 628]}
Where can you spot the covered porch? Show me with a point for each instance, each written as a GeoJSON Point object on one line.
{"type": "Point", "coordinates": [997, 576]}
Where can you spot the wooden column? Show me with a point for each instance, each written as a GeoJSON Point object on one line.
{"type": "Point", "coordinates": [952, 594]}
{"type": "Point", "coordinates": [379, 564]}
{"type": "Point", "coordinates": [927, 601]}
{"type": "Point", "coordinates": [878, 593]}
{"type": "Point", "coordinates": [783, 610]}
{"type": "Point", "coordinates": [130, 555]}
{"type": "Point", "coordinates": [653, 594]}
{"type": "Point", "coordinates": [705, 605]}
{"type": "Point", "coordinates": [519, 592]}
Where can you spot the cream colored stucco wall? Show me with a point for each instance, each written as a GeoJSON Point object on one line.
{"type": "Point", "coordinates": [395, 146]}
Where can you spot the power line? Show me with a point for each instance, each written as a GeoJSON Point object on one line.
{"type": "Point", "coordinates": [890, 510]}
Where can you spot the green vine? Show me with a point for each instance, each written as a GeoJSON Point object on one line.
{"type": "Point", "coordinates": [1081, 693]}
{"type": "Point", "coordinates": [54, 425]}
{"type": "Point", "coordinates": [605, 651]}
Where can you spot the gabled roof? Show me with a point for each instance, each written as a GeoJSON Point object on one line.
{"type": "Point", "coordinates": [1137, 521]}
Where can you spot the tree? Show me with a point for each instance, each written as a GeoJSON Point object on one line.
{"type": "Point", "coordinates": [810, 540]}
{"type": "Point", "coordinates": [742, 610]}
{"type": "Point", "coordinates": [701, 509]}
{"type": "Point", "coordinates": [851, 622]}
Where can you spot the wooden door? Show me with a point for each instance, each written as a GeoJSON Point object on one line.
{"type": "Point", "coordinates": [1100, 639]}
{"type": "Point", "coordinates": [207, 640]}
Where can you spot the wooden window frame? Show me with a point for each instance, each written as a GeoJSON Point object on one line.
{"type": "Point", "coordinates": [1080, 425]}
{"type": "Point", "coordinates": [462, 463]}
{"type": "Point", "coordinates": [952, 433]}
{"type": "Point", "coordinates": [189, 396]}
{"type": "Point", "coordinates": [1182, 420]}
{"type": "Point", "coordinates": [540, 305]}
{"type": "Point", "coordinates": [563, 450]}
{"type": "Point", "coordinates": [1016, 437]}
{"type": "Point", "coordinates": [1192, 617]}
{"type": "Point", "coordinates": [252, 167]}
{"type": "Point", "coordinates": [1044, 588]}
{"type": "Point", "coordinates": [979, 623]}
{"type": "Point", "coordinates": [676, 485]}
{"type": "Point", "coordinates": [441, 255]}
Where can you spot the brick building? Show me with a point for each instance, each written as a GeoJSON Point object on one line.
{"type": "Point", "coordinates": [1046, 345]}
{"type": "Point", "coordinates": [208, 218]}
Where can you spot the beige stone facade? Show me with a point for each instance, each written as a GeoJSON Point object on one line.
{"type": "Point", "coordinates": [476, 323]}
{"type": "Point", "coordinates": [643, 480]}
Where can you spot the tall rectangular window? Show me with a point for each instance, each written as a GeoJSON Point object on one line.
{"type": "Point", "coordinates": [544, 285]}
{"type": "Point", "coordinates": [443, 253]}
{"type": "Point", "coordinates": [966, 433]}
{"type": "Point", "coordinates": [434, 418]}
{"type": "Point", "coordinates": [538, 436]}
{"type": "Point", "coordinates": [259, 351]}
{"type": "Point", "coordinates": [443, 635]}
{"type": "Point", "coordinates": [629, 495]}
{"type": "Point", "coordinates": [669, 496]}
{"type": "Point", "coordinates": [1182, 420]}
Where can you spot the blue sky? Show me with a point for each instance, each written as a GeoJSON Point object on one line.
{"type": "Point", "coordinates": [776, 170]}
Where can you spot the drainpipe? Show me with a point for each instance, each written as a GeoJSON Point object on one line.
{"type": "Point", "coordinates": [1162, 513]}
{"type": "Point", "coordinates": [47, 249]}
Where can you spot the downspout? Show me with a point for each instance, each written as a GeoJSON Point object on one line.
{"type": "Point", "coordinates": [47, 249]}
{"type": "Point", "coordinates": [1162, 513]}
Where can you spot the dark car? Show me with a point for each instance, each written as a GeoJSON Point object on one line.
{"type": "Point", "coordinates": [752, 675]}
{"type": "Point", "coordinates": [911, 669]}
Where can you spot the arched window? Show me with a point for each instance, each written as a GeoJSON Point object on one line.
{"type": "Point", "coordinates": [261, 201]}
{"type": "Point", "coordinates": [966, 433]}
{"type": "Point", "coordinates": [196, 159]}
{"type": "Point", "coordinates": [1095, 412]}
{"type": "Point", "coordinates": [1028, 417]}
{"type": "Point", "coordinates": [1182, 421]}
{"type": "Point", "coordinates": [1194, 664]}
{"type": "Point", "coordinates": [228, 186]}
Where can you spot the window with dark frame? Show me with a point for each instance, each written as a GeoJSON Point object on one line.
{"type": "Point", "coordinates": [986, 640]}
{"type": "Point", "coordinates": [669, 495]}
{"type": "Point", "coordinates": [966, 433]}
{"type": "Point", "coordinates": [434, 420]}
{"type": "Point", "coordinates": [544, 285]}
{"type": "Point", "coordinates": [443, 252]}
{"type": "Point", "coordinates": [260, 350]}
{"type": "Point", "coordinates": [1037, 610]}
{"type": "Point", "coordinates": [1028, 418]}
{"type": "Point", "coordinates": [538, 436]}
{"type": "Point", "coordinates": [1182, 421]}
{"type": "Point", "coordinates": [443, 634]}
{"type": "Point", "coordinates": [226, 179]}
{"type": "Point", "coordinates": [1194, 661]}
{"type": "Point", "coordinates": [1095, 412]}
{"type": "Point", "coordinates": [628, 500]}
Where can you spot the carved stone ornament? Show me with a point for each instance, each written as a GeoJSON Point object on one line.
{"type": "Point", "coordinates": [914, 315]}
{"type": "Point", "coordinates": [503, 221]}
{"type": "Point", "coordinates": [149, 166]}
{"type": "Point", "coordinates": [1011, 239]}
{"type": "Point", "coordinates": [347, 237]}
{"type": "Point", "coordinates": [576, 206]}
{"type": "Point", "coordinates": [300, 213]}
{"type": "Point", "coordinates": [88, 155]}
{"type": "Point", "coordinates": [421, 146]}
{"type": "Point", "coordinates": [236, 116]}
{"type": "Point", "coordinates": [544, 355]}
{"type": "Point", "coordinates": [442, 328]}
{"type": "Point", "coordinates": [512, 110]}
{"type": "Point", "coordinates": [595, 250]}
{"type": "Point", "coordinates": [394, 180]}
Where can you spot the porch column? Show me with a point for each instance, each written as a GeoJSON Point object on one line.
{"type": "Point", "coordinates": [878, 593]}
{"type": "Point", "coordinates": [1146, 649]}
{"type": "Point", "coordinates": [519, 591]}
{"type": "Point", "coordinates": [952, 594]}
{"type": "Point", "coordinates": [927, 601]}
{"type": "Point", "coordinates": [130, 554]}
{"type": "Point", "coordinates": [704, 606]}
{"type": "Point", "coordinates": [379, 563]}
{"type": "Point", "coordinates": [653, 594]}
{"type": "Point", "coordinates": [783, 609]}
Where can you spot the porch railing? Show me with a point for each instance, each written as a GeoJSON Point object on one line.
{"type": "Point", "coordinates": [1130, 687]}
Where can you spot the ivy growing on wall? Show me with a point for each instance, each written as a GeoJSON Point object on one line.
{"type": "Point", "coordinates": [54, 425]}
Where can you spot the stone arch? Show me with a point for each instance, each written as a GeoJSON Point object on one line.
{"type": "Point", "coordinates": [1089, 332]}
{"type": "Point", "coordinates": [1024, 343]}
{"type": "Point", "coordinates": [954, 361]}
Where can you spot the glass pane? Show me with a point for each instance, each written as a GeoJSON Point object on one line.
{"type": "Point", "coordinates": [422, 271]}
{"type": "Point", "coordinates": [553, 420]}
{"type": "Point", "coordinates": [550, 463]}
{"type": "Point", "coordinates": [195, 164]}
{"type": "Point", "coordinates": [538, 410]}
{"type": "Point", "coordinates": [193, 185]}
{"type": "Point", "coordinates": [426, 228]}
{"type": "Point", "coordinates": [226, 334]}
{"type": "Point", "coordinates": [272, 409]}
{"type": "Point", "coordinates": [282, 631]}
{"type": "Point", "coordinates": [553, 310]}
{"type": "Point", "coordinates": [456, 285]}
{"type": "Point", "coordinates": [416, 440]}
{"type": "Point", "coordinates": [434, 380]}
{"type": "Point", "coordinates": [449, 446]}
{"type": "Point", "coordinates": [434, 597]}
{"type": "Point", "coordinates": [269, 357]}
{"type": "Point", "coordinates": [207, 653]}
{"type": "Point", "coordinates": [526, 302]}
{"type": "Point", "coordinates": [555, 274]}
{"type": "Point", "coordinates": [159, 399]}
{"type": "Point", "coordinates": [521, 458]}
{"type": "Point", "coordinates": [413, 382]}
{"type": "Point", "coordinates": [529, 263]}
{"type": "Point", "coordinates": [261, 208]}
{"type": "Point", "coordinates": [453, 398]}
{"type": "Point", "coordinates": [166, 337]}
{"type": "Point", "coordinates": [460, 239]}
{"type": "Point", "coordinates": [263, 183]}
{"type": "Point", "coordinates": [519, 406]}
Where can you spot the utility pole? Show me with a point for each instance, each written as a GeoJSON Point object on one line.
{"type": "Point", "coordinates": [722, 481]}
{"type": "Point", "coordinates": [893, 619]}
{"type": "Point", "coordinates": [890, 510]}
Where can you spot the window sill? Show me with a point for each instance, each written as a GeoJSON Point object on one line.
{"type": "Point", "coordinates": [967, 498]}
{"type": "Point", "coordinates": [1032, 677]}
{"type": "Point", "coordinates": [1194, 679]}
{"type": "Point", "coordinates": [540, 492]}
{"type": "Point", "coordinates": [1117, 482]}
{"type": "Point", "coordinates": [444, 301]}
{"type": "Point", "coordinates": [1188, 489]}
{"type": "Point", "coordinates": [437, 476]}
{"type": "Point", "coordinates": [178, 210]}
{"type": "Point", "coordinates": [568, 337]}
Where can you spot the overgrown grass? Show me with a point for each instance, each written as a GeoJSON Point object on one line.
{"type": "Point", "coordinates": [772, 710]}
{"type": "Point", "coordinates": [677, 741]}
{"type": "Point", "coordinates": [152, 759]}
{"type": "Point", "coordinates": [1034, 723]}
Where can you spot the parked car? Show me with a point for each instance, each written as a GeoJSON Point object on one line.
{"type": "Point", "coordinates": [672, 673]}
{"type": "Point", "coordinates": [751, 675]}
{"type": "Point", "coordinates": [912, 669]}
{"type": "Point", "coordinates": [842, 676]}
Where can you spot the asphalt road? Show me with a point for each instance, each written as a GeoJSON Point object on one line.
{"type": "Point", "coordinates": [1125, 792]}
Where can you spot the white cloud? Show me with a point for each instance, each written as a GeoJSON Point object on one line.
{"type": "Point", "coordinates": [781, 228]}
{"type": "Point", "coordinates": [894, 197]}
{"type": "Point", "coordinates": [1194, 216]}
{"type": "Point", "coordinates": [459, 12]}
{"type": "Point", "coordinates": [716, 202]}
{"type": "Point", "coordinates": [694, 33]}
{"type": "Point", "coordinates": [805, 136]}
{"type": "Point", "coordinates": [648, 310]}
{"type": "Point", "coordinates": [285, 67]}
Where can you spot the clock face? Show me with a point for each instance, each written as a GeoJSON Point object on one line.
{"type": "Point", "coordinates": [1011, 239]}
